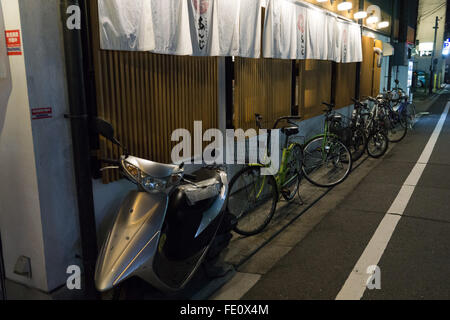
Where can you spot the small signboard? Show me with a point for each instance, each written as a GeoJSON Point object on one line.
{"type": "Point", "coordinates": [13, 42]}
{"type": "Point", "coordinates": [446, 50]}
{"type": "Point", "coordinates": [41, 113]}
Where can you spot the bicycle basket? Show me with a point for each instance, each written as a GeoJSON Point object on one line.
{"type": "Point", "coordinates": [338, 128]}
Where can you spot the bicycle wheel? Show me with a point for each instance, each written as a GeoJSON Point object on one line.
{"type": "Point", "coordinates": [252, 200]}
{"type": "Point", "coordinates": [359, 144]}
{"type": "Point", "coordinates": [326, 164]}
{"type": "Point", "coordinates": [377, 144]}
{"type": "Point", "coordinates": [397, 128]}
{"type": "Point", "coordinates": [411, 115]}
{"type": "Point", "coordinates": [293, 173]}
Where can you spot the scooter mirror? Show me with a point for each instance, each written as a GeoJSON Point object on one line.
{"type": "Point", "coordinates": [105, 129]}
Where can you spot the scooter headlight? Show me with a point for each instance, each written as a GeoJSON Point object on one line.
{"type": "Point", "coordinates": [150, 183]}
{"type": "Point", "coordinates": [132, 171]}
{"type": "Point", "coordinates": [147, 182]}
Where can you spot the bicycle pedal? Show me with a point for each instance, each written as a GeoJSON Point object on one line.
{"type": "Point", "coordinates": [284, 193]}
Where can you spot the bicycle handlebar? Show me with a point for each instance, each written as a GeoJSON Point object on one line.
{"type": "Point", "coordinates": [371, 99]}
{"type": "Point", "coordinates": [288, 118]}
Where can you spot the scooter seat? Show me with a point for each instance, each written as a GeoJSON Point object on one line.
{"type": "Point", "coordinates": [204, 188]}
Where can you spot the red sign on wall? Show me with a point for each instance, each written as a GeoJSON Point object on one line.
{"type": "Point", "coordinates": [13, 42]}
{"type": "Point", "coordinates": [41, 113]}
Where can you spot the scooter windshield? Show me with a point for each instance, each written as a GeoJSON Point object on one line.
{"type": "Point", "coordinates": [153, 169]}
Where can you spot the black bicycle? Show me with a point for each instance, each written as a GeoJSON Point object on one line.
{"type": "Point", "coordinates": [373, 125]}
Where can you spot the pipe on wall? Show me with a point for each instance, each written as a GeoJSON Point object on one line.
{"type": "Point", "coordinates": [78, 104]}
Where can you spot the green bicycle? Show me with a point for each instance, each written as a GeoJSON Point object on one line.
{"type": "Point", "coordinates": [324, 160]}
{"type": "Point", "coordinates": [253, 196]}
{"type": "Point", "coordinates": [327, 161]}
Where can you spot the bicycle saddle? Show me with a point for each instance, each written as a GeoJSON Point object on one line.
{"type": "Point", "coordinates": [206, 185]}
{"type": "Point", "coordinates": [330, 106]}
{"type": "Point", "coordinates": [290, 131]}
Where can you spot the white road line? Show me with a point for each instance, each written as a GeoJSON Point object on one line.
{"type": "Point", "coordinates": [356, 283]}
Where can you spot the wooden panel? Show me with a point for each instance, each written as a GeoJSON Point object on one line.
{"type": "Point", "coordinates": [370, 72]}
{"type": "Point", "coordinates": [261, 86]}
{"type": "Point", "coordinates": [376, 71]}
{"type": "Point", "coordinates": [147, 96]}
{"type": "Point", "coordinates": [367, 67]}
{"type": "Point", "coordinates": [314, 87]}
{"type": "Point", "coordinates": [345, 84]}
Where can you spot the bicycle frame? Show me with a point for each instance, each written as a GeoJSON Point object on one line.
{"type": "Point", "coordinates": [280, 177]}
{"type": "Point", "coordinates": [326, 135]}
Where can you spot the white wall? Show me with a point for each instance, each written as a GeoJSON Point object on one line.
{"type": "Point", "coordinates": [20, 217]}
{"type": "Point", "coordinates": [426, 21]}
{"type": "Point", "coordinates": [428, 11]}
{"type": "Point", "coordinates": [38, 207]}
{"type": "Point", "coordinates": [45, 66]}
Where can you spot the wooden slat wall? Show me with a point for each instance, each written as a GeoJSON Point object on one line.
{"type": "Point", "coordinates": [345, 84]}
{"type": "Point", "coordinates": [376, 71]}
{"type": "Point", "coordinates": [367, 67]}
{"type": "Point", "coordinates": [261, 86]}
{"type": "Point", "coordinates": [147, 96]}
{"type": "Point", "coordinates": [314, 87]}
{"type": "Point", "coordinates": [370, 73]}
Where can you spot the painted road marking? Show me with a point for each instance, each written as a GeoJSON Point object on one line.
{"type": "Point", "coordinates": [356, 283]}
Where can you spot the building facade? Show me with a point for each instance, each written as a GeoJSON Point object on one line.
{"type": "Point", "coordinates": [429, 57]}
{"type": "Point", "coordinates": [147, 95]}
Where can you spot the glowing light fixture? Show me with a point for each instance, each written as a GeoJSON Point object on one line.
{"type": "Point", "coordinates": [322, 0]}
{"type": "Point", "coordinates": [383, 24]}
{"type": "Point", "coordinates": [360, 15]}
{"type": "Point", "coordinates": [346, 5]}
{"type": "Point", "coordinates": [374, 13]}
{"type": "Point", "coordinates": [372, 19]}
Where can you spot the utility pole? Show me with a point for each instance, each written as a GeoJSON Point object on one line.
{"type": "Point", "coordinates": [432, 66]}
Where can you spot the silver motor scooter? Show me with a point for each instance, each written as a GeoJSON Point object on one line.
{"type": "Point", "coordinates": [165, 229]}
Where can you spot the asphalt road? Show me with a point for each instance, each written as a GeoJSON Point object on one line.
{"type": "Point", "coordinates": [414, 260]}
